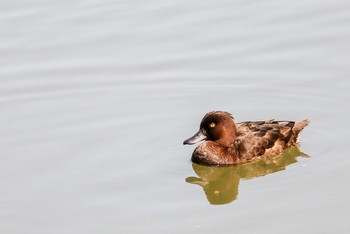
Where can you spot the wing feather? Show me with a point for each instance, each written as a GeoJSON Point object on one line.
{"type": "Point", "coordinates": [255, 138]}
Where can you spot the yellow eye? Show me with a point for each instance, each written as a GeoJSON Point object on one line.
{"type": "Point", "coordinates": [212, 125]}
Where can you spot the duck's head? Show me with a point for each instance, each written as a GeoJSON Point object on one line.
{"type": "Point", "coordinates": [217, 126]}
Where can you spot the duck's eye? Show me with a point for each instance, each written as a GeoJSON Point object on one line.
{"type": "Point", "coordinates": [212, 125]}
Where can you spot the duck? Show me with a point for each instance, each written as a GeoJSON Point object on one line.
{"type": "Point", "coordinates": [229, 143]}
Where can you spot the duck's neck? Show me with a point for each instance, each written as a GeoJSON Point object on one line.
{"type": "Point", "coordinates": [228, 137]}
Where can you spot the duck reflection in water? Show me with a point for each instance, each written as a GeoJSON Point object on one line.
{"type": "Point", "coordinates": [220, 184]}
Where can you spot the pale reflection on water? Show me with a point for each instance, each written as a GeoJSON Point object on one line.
{"type": "Point", "coordinates": [220, 184]}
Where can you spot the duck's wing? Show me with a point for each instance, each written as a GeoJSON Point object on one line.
{"type": "Point", "coordinates": [254, 138]}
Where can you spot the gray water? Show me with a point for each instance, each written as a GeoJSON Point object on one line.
{"type": "Point", "coordinates": [96, 98]}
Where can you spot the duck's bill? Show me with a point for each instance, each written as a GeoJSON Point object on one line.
{"type": "Point", "coordinates": [199, 136]}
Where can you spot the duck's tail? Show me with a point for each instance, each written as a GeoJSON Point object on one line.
{"type": "Point", "coordinates": [298, 127]}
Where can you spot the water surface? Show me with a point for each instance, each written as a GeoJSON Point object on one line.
{"type": "Point", "coordinates": [96, 98]}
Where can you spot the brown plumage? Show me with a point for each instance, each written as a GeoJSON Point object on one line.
{"type": "Point", "coordinates": [227, 143]}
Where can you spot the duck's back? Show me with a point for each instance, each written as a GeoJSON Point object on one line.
{"type": "Point", "coordinates": [266, 138]}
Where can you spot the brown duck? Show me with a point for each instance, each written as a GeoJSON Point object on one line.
{"type": "Point", "coordinates": [227, 143]}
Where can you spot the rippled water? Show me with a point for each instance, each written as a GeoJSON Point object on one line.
{"type": "Point", "coordinates": [97, 97]}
